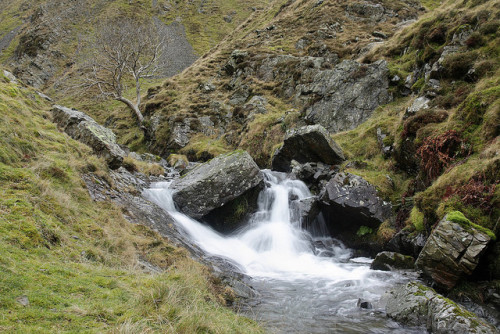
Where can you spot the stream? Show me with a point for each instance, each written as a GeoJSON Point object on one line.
{"type": "Point", "coordinates": [307, 281]}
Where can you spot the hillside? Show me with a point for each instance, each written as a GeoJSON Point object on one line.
{"type": "Point", "coordinates": [70, 264]}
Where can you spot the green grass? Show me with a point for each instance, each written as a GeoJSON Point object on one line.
{"type": "Point", "coordinates": [76, 260]}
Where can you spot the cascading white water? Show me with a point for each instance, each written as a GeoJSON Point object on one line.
{"type": "Point", "coordinates": [280, 256]}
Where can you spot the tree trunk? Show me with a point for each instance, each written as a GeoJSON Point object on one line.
{"type": "Point", "coordinates": [134, 108]}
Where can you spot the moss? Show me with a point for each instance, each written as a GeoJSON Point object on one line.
{"type": "Point", "coordinates": [459, 218]}
{"type": "Point", "coordinates": [364, 230]}
{"type": "Point", "coordinates": [417, 219]}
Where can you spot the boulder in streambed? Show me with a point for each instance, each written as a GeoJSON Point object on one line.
{"type": "Point", "coordinates": [224, 180]}
{"type": "Point", "coordinates": [352, 208]}
{"type": "Point", "coordinates": [453, 250]}
{"type": "Point", "coordinates": [310, 143]}
{"type": "Point", "coordinates": [83, 128]}
{"type": "Point", "coordinates": [416, 305]}
{"type": "Point", "coordinates": [388, 261]}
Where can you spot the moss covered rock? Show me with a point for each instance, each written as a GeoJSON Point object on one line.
{"type": "Point", "coordinates": [416, 305]}
{"type": "Point", "coordinates": [453, 250]}
{"type": "Point", "coordinates": [388, 261]}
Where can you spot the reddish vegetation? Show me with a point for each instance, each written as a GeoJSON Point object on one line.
{"type": "Point", "coordinates": [477, 192]}
{"type": "Point", "coordinates": [438, 152]}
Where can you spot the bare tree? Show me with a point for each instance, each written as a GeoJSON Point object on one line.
{"type": "Point", "coordinates": [123, 51]}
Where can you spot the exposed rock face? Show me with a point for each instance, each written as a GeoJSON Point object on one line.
{"type": "Point", "coordinates": [83, 128]}
{"type": "Point", "coordinates": [216, 182]}
{"type": "Point", "coordinates": [347, 94]}
{"type": "Point", "coordinates": [451, 252]}
{"type": "Point", "coordinates": [415, 305]}
{"type": "Point", "coordinates": [307, 144]}
{"type": "Point", "coordinates": [388, 261]}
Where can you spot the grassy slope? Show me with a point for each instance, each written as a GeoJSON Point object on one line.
{"type": "Point", "coordinates": [471, 109]}
{"type": "Point", "coordinates": [77, 260]}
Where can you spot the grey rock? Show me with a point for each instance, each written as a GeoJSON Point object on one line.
{"type": "Point", "coordinates": [349, 202]}
{"type": "Point", "coordinates": [388, 261]}
{"type": "Point", "coordinates": [384, 148]}
{"type": "Point", "coordinates": [365, 10]}
{"type": "Point", "coordinates": [305, 211]}
{"type": "Point", "coordinates": [415, 305]}
{"type": "Point", "coordinates": [11, 77]}
{"type": "Point", "coordinates": [348, 94]}
{"type": "Point", "coordinates": [452, 251]}
{"type": "Point", "coordinates": [23, 300]}
{"type": "Point", "coordinates": [420, 103]}
{"type": "Point", "coordinates": [364, 304]}
{"type": "Point", "coordinates": [45, 97]}
{"type": "Point", "coordinates": [83, 128]}
{"type": "Point", "coordinates": [307, 144]}
{"type": "Point", "coordinates": [215, 183]}
{"type": "Point", "coordinates": [407, 243]}
{"type": "Point", "coordinates": [379, 34]}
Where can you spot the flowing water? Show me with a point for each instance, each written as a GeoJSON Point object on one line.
{"type": "Point", "coordinates": [308, 282]}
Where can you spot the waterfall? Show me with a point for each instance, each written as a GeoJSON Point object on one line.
{"type": "Point", "coordinates": [272, 244]}
{"type": "Point", "coordinates": [305, 288]}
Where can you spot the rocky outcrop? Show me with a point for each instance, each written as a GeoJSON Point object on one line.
{"type": "Point", "coordinates": [307, 144]}
{"type": "Point", "coordinates": [452, 251]}
{"type": "Point", "coordinates": [415, 305]}
{"type": "Point", "coordinates": [347, 94]}
{"type": "Point", "coordinates": [83, 128]}
{"type": "Point", "coordinates": [213, 184]}
{"type": "Point", "coordinates": [388, 261]}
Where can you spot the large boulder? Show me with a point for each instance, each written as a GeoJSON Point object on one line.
{"type": "Point", "coordinates": [388, 261]}
{"type": "Point", "coordinates": [453, 250]}
{"type": "Point", "coordinates": [353, 211]}
{"type": "Point", "coordinates": [307, 144]}
{"type": "Point", "coordinates": [416, 305]}
{"type": "Point", "coordinates": [215, 183]}
{"type": "Point", "coordinates": [83, 128]}
{"type": "Point", "coordinates": [349, 202]}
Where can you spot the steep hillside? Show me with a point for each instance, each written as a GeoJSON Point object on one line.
{"type": "Point", "coordinates": [70, 264]}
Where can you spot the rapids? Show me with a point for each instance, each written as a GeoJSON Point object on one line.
{"type": "Point", "coordinates": [307, 281]}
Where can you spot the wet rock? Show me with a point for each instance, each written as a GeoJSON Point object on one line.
{"type": "Point", "coordinates": [83, 128]}
{"type": "Point", "coordinates": [305, 211]}
{"type": "Point", "coordinates": [307, 144]}
{"type": "Point", "coordinates": [415, 305]}
{"type": "Point", "coordinates": [407, 243]}
{"type": "Point", "coordinates": [364, 304]}
{"type": "Point", "coordinates": [216, 182]}
{"type": "Point", "coordinates": [388, 261]}
{"type": "Point", "coordinates": [350, 202]}
{"type": "Point", "coordinates": [452, 251]}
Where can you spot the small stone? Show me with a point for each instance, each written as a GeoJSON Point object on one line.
{"type": "Point", "coordinates": [364, 304]}
{"type": "Point", "coordinates": [23, 300]}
